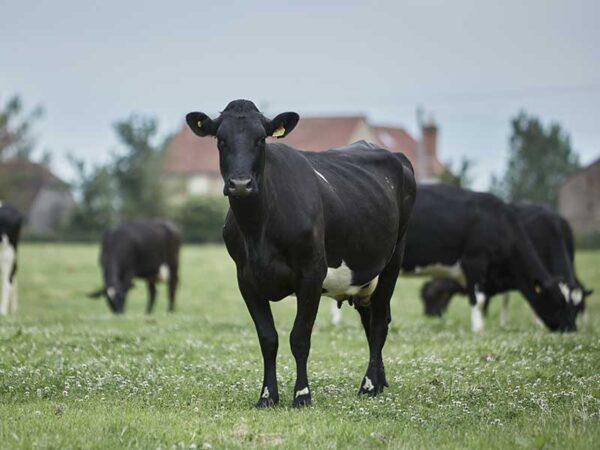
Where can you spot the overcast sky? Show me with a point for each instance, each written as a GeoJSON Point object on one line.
{"type": "Point", "coordinates": [472, 64]}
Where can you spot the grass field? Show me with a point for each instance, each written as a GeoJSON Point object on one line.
{"type": "Point", "coordinates": [74, 376]}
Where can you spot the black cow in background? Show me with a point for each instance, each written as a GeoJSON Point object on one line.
{"type": "Point", "coordinates": [479, 241]}
{"type": "Point", "coordinates": [308, 224]}
{"type": "Point", "coordinates": [143, 249]}
{"type": "Point", "coordinates": [10, 229]}
{"type": "Point", "coordinates": [553, 241]}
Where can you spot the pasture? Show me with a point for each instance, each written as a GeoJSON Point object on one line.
{"type": "Point", "coordinates": [72, 375]}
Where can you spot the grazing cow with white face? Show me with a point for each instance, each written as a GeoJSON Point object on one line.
{"type": "Point", "coordinates": [144, 249]}
{"type": "Point", "coordinates": [480, 242]}
{"type": "Point", "coordinates": [552, 239]}
{"type": "Point", "coordinates": [309, 224]}
{"type": "Point", "coordinates": [10, 229]}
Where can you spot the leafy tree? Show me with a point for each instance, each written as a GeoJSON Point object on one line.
{"type": "Point", "coordinates": [137, 171]}
{"type": "Point", "coordinates": [201, 218]}
{"type": "Point", "coordinates": [460, 176]}
{"type": "Point", "coordinates": [16, 138]}
{"type": "Point", "coordinates": [540, 158]}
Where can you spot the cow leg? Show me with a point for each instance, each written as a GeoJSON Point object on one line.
{"type": "Point", "coordinates": [374, 380]}
{"type": "Point", "coordinates": [336, 314]}
{"type": "Point", "coordinates": [475, 270]}
{"type": "Point", "coordinates": [308, 295]}
{"type": "Point", "coordinates": [14, 299]}
{"type": "Point", "coordinates": [260, 311]}
{"type": "Point", "coordinates": [7, 265]}
{"type": "Point", "coordinates": [504, 310]}
{"type": "Point", "coordinates": [365, 318]}
{"type": "Point", "coordinates": [151, 297]}
{"type": "Point", "coordinates": [173, 282]}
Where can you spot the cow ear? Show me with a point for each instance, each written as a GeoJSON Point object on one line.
{"type": "Point", "coordinates": [282, 125]}
{"type": "Point", "coordinates": [97, 294]}
{"type": "Point", "coordinates": [201, 124]}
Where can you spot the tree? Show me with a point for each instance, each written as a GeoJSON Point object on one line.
{"type": "Point", "coordinates": [137, 171]}
{"type": "Point", "coordinates": [460, 176]}
{"type": "Point", "coordinates": [16, 138]}
{"type": "Point", "coordinates": [540, 158]}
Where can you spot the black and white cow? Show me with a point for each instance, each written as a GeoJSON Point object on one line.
{"type": "Point", "coordinates": [143, 249]}
{"type": "Point", "coordinates": [309, 224]}
{"type": "Point", "coordinates": [10, 229]}
{"type": "Point", "coordinates": [553, 241]}
{"type": "Point", "coordinates": [480, 242]}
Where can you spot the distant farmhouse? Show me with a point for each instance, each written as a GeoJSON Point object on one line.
{"type": "Point", "coordinates": [579, 200]}
{"type": "Point", "coordinates": [191, 165]}
{"type": "Point", "coordinates": [43, 198]}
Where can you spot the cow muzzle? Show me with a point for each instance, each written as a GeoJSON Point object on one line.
{"type": "Point", "coordinates": [240, 187]}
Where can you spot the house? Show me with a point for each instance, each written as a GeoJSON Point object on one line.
{"type": "Point", "coordinates": [191, 165]}
{"type": "Point", "coordinates": [579, 200]}
{"type": "Point", "coordinates": [43, 198]}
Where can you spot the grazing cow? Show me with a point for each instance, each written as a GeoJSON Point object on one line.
{"type": "Point", "coordinates": [479, 241]}
{"type": "Point", "coordinates": [308, 224]}
{"type": "Point", "coordinates": [10, 229]}
{"type": "Point", "coordinates": [143, 249]}
{"type": "Point", "coordinates": [553, 241]}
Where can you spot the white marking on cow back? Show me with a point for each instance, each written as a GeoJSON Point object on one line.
{"type": "Point", "coordinates": [477, 321]}
{"type": "Point", "coordinates": [321, 175]}
{"type": "Point", "coordinates": [454, 272]}
{"type": "Point", "coordinates": [304, 391]}
{"type": "Point", "coordinates": [265, 393]}
{"type": "Point", "coordinates": [577, 296]}
{"type": "Point", "coordinates": [7, 261]}
{"type": "Point", "coordinates": [566, 292]}
{"type": "Point", "coordinates": [368, 386]}
{"type": "Point", "coordinates": [164, 273]}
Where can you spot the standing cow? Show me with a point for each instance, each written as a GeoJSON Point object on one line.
{"type": "Point", "coordinates": [143, 249]}
{"type": "Point", "coordinates": [480, 242]}
{"type": "Point", "coordinates": [308, 224]}
{"type": "Point", "coordinates": [553, 241]}
{"type": "Point", "coordinates": [10, 229]}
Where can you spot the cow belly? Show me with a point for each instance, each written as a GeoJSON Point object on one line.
{"type": "Point", "coordinates": [453, 272]}
{"type": "Point", "coordinates": [338, 284]}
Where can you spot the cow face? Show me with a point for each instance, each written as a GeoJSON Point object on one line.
{"type": "Point", "coordinates": [241, 131]}
{"type": "Point", "coordinates": [549, 302]}
{"type": "Point", "coordinates": [114, 297]}
{"type": "Point", "coordinates": [436, 295]}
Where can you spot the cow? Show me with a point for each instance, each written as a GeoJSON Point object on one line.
{"type": "Point", "coordinates": [480, 242]}
{"type": "Point", "coordinates": [552, 238]}
{"type": "Point", "coordinates": [10, 230]}
{"type": "Point", "coordinates": [142, 249]}
{"type": "Point", "coordinates": [309, 224]}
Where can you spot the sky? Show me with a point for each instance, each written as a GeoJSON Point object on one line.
{"type": "Point", "coordinates": [471, 64]}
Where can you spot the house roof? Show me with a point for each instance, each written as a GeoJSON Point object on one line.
{"type": "Point", "coordinates": [186, 154]}
{"type": "Point", "coordinates": [22, 180]}
{"type": "Point", "coordinates": [322, 133]}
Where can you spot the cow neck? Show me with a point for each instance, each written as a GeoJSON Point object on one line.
{"type": "Point", "coordinates": [527, 255]}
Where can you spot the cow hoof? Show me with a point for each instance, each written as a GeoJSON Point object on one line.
{"type": "Point", "coordinates": [302, 401]}
{"type": "Point", "coordinates": [266, 403]}
{"type": "Point", "coordinates": [372, 387]}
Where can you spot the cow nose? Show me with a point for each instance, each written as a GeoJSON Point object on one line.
{"type": "Point", "coordinates": [239, 187]}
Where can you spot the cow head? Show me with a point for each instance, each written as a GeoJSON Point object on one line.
{"type": "Point", "coordinates": [436, 295]}
{"type": "Point", "coordinates": [241, 130]}
{"type": "Point", "coordinates": [551, 305]}
{"type": "Point", "coordinates": [115, 297]}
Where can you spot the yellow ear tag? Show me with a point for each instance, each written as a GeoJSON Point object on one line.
{"type": "Point", "coordinates": [279, 132]}
{"type": "Point", "coordinates": [538, 289]}
{"type": "Point", "coordinates": [199, 123]}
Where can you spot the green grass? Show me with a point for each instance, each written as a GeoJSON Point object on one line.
{"type": "Point", "coordinates": [74, 376]}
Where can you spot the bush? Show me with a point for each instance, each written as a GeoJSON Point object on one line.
{"type": "Point", "coordinates": [201, 219]}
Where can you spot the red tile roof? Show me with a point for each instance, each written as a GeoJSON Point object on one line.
{"type": "Point", "coordinates": [187, 153]}
{"type": "Point", "coordinates": [323, 133]}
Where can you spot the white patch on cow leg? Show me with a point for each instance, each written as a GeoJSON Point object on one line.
{"type": "Point", "coordinates": [564, 289]}
{"type": "Point", "coordinates": [7, 260]}
{"type": "Point", "coordinates": [336, 314]}
{"type": "Point", "coordinates": [477, 321]}
{"type": "Point", "coordinates": [14, 298]}
{"type": "Point", "coordinates": [265, 393]}
{"type": "Point", "coordinates": [164, 273]}
{"type": "Point", "coordinates": [321, 175]}
{"type": "Point", "coordinates": [504, 310]}
{"type": "Point", "coordinates": [585, 317]}
{"type": "Point", "coordinates": [368, 386]}
{"type": "Point", "coordinates": [304, 391]}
